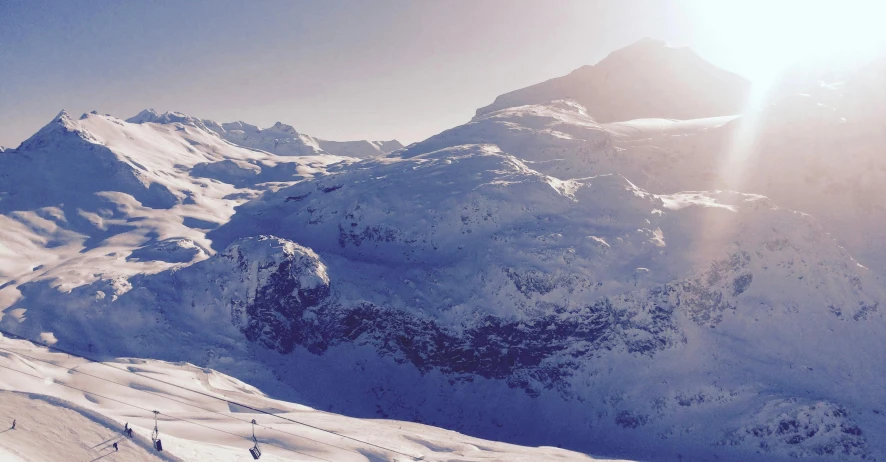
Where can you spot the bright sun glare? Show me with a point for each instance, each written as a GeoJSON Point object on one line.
{"type": "Point", "coordinates": [766, 36]}
{"type": "Point", "coordinates": [762, 39]}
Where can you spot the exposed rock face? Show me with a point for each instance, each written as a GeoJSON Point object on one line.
{"type": "Point", "coordinates": [803, 429]}
{"type": "Point", "coordinates": [263, 286]}
{"type": "Point", "coordinates": [279, 282]}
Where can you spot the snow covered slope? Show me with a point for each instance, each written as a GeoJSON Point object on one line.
{"type": "Point", "coordinates": [810, 147]}
{"type": "Point", "coordinates": [659, 312]}
{"type": "Point", "coordinates": [98, 194]}
{"type": "Point", "coordinates": [67, 408]}
{"type": "Point", "coordinates": [643, 80]}
{"type": "Point", "coordinates": [51, 429]}
{"type": "Point", "coordinates": [558, 138]}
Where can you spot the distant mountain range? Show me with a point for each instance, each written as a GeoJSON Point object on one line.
{"type": "Point", "coordinates": [279, 139]}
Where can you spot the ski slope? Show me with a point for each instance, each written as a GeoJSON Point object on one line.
{"type": "Point", "coordinates": [68, 405]}
{"type": "Point", "coordinates": [48, 428]}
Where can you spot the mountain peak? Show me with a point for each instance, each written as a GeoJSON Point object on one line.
{"type": "Point", "coordinates": [648, 42]}
{"type": "Point", "coordinates": [281, 127]}
{"type": "Point", "coordinates": [168, 117]}
{"type": "Point", "coordinates": [63, 119]}
{"type": "Point", "coordinates": [146, 115]}
{"type": "Point", "coordinates": [152, 116]}
{"type": "Point", "coordinates": [646, 79]}
{"type": "Point", "coordinates": [647, 49]}
{"type": "Point", "coordinates": [60, 125]}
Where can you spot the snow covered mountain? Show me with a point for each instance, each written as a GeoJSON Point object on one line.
{"type": "Point", "coordinates": [645, 79]}
{"type": "Point", "coordinates": [99, 194]}
{"type": "Point", "coordinates": [553, 272]}
{"type": "Point", "coordinates": [812, 146]}
{"type": "Point", "coordinates": [279, 139]}
{"type": "Point", "coordinates": [360, 149]}
{"type": "Point", "coordinates": [284, 140]}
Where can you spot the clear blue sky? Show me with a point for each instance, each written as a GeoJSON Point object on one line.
{"type": "Point", "coordinates": [358, 69]}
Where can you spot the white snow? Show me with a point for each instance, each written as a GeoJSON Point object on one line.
{"type": "Point", "coordinates": [48, 428]}
{"type": "Point", "coordinates": [52, 419]}
{"type": "Point", "coordinates": [100, 196]}
{"type": "Point", "coordinates": [279, 139]}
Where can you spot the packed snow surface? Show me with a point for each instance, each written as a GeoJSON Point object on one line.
{"type": "Point", "coordinates": [67, 407]}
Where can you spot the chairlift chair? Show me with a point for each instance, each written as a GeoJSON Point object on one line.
{"type": "Point", "coordinates": [255, 450]}
{"type": "Point", "coordinates": [155, 435]}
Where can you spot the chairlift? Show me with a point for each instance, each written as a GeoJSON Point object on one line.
{"type": "Point", "coordinates": [155, 435]}
{"type": "Point", "coordinates": [255, 450]}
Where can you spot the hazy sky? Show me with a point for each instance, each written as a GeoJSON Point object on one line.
{"type": "Point", "coordinates": [339, 70]}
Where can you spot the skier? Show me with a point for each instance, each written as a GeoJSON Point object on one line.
{"type": "Point", "coordinates": [115, 446]}
{"type": "Point", "coordinates": [129, 432]}
{"type": "Point", "coordinates": [13, 424]}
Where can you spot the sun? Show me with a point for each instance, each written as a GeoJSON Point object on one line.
{"type": "Point", "coordinates": [764, 37]}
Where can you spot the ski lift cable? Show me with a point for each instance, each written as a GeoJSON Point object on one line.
{"type": "Point", "coordinates": [229, 416]}
{"type": "Point", "coordinates": [262, 411]}
{"type": "Point", "coordinates": [167, 415]}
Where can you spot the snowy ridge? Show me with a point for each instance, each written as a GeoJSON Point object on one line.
{"type": "Point", "coordinates": [360, 149]}
{"type": "Point", "coordinates": [161, 190]}
{"type": "Point", "coordinates": [152, 116]}
{"type": "Point", "coordinates": [558, 138]}
{"type": "Point", "coordinates": [284, 140]}
{"type": "Point", "coordinates": [280, 139]}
